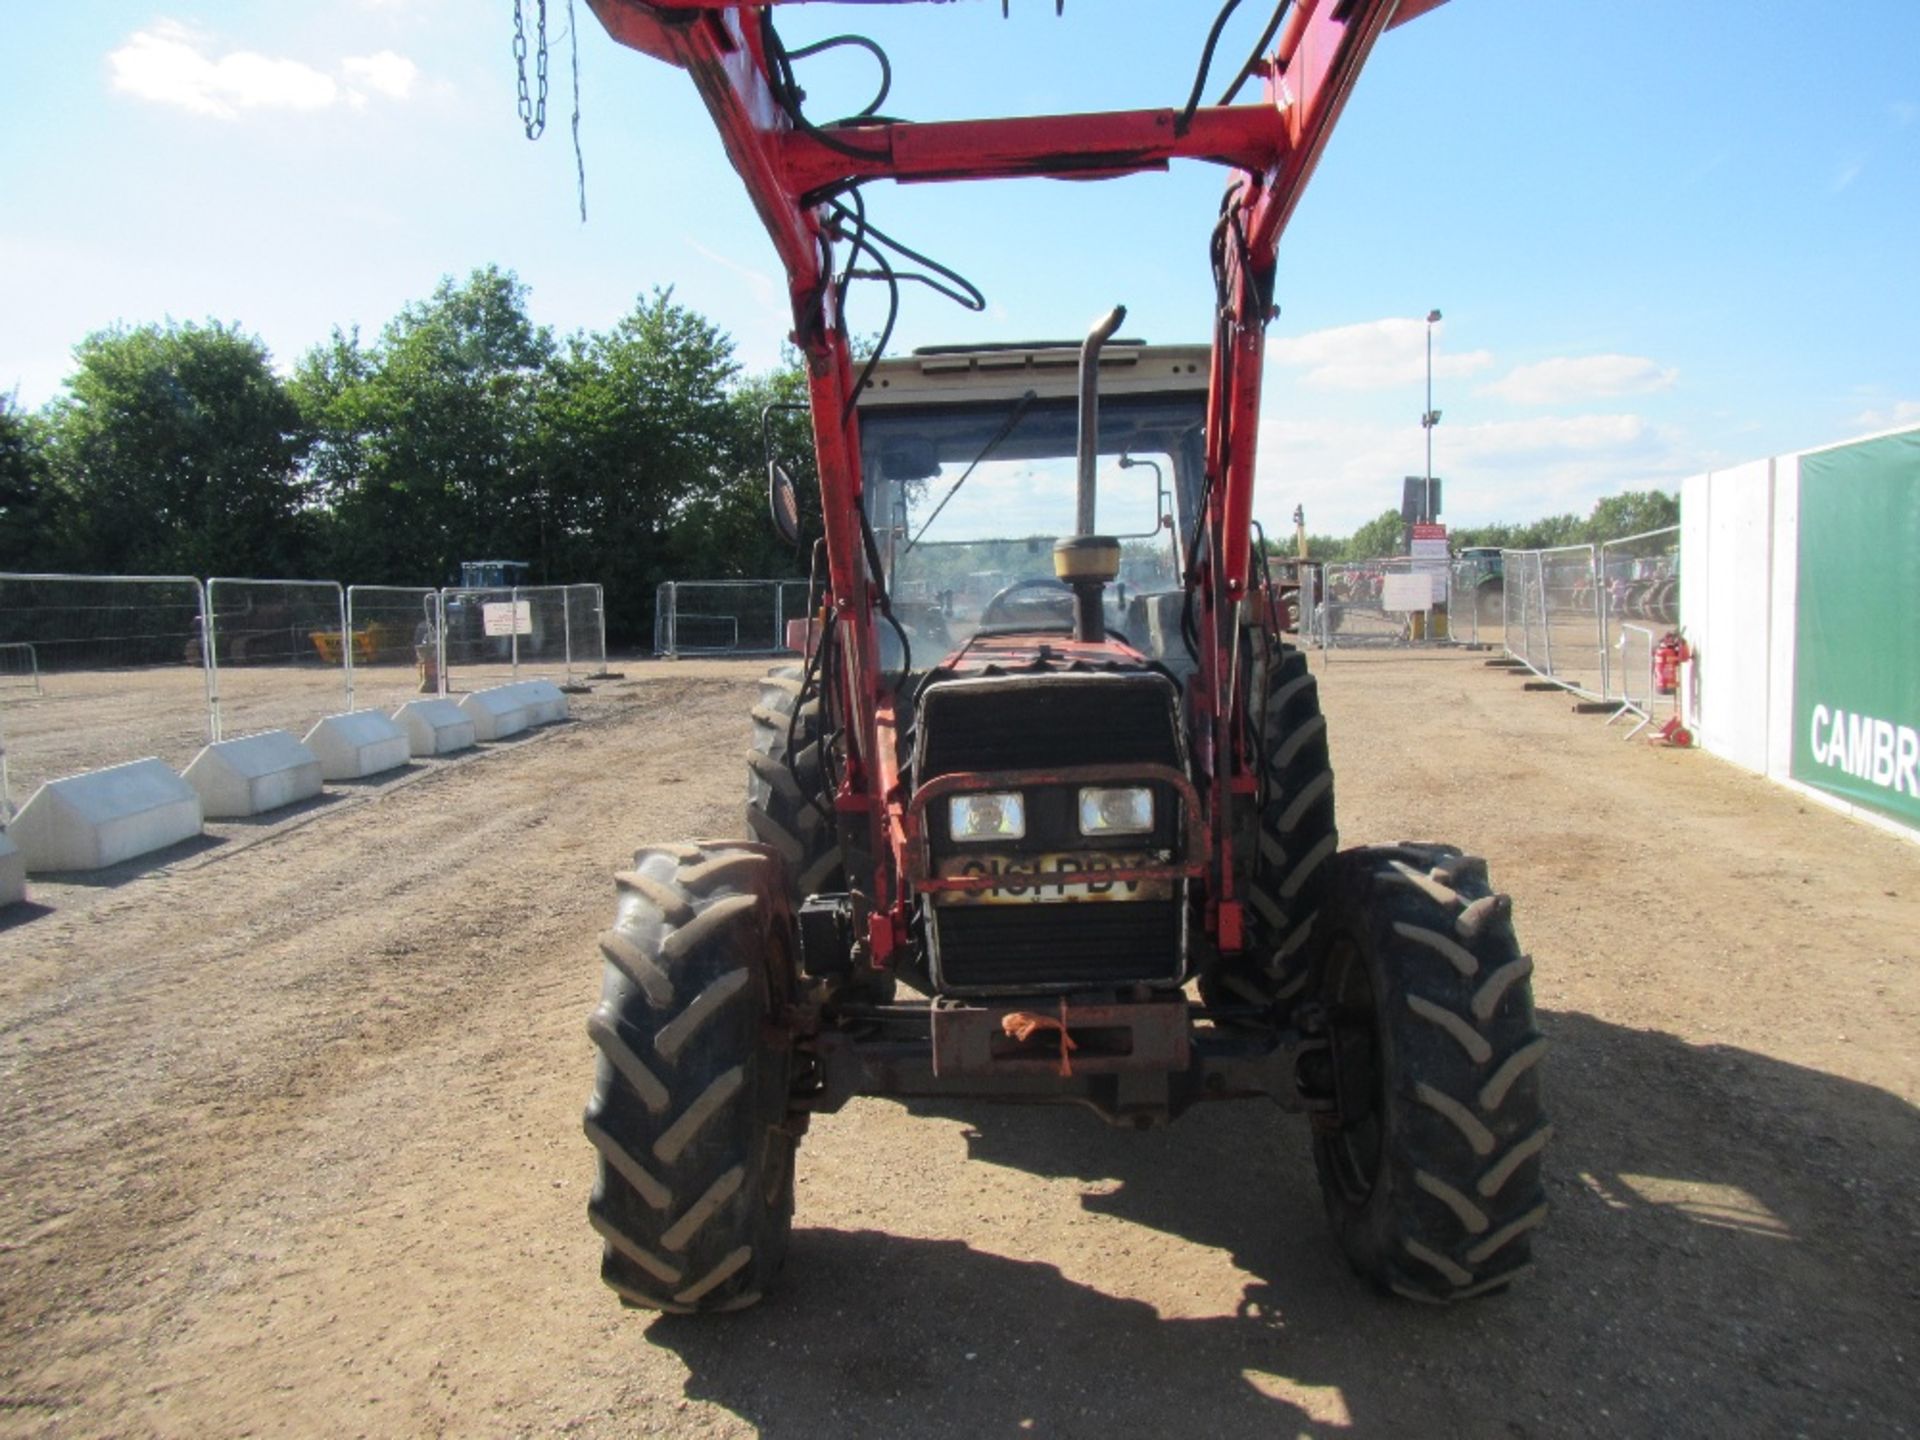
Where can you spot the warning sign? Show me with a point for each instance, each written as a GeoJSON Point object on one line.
{"type": "Point", "coordinates": [1430, 555]}
{"type": "Point", "coordinates": [1406, 592]}
{"type": "Point", "coordinates": [1429, 542]}
{"type": "Point", "coordinates": [507, 618]}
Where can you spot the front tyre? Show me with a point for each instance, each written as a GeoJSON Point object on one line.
{"type": "Point", "coordinates": [1430, 1165]}
{"type": "Point", "coordinates": [789, 792]}
{"type": "Point", "coordinates": [689, 1113]}
{"type": "Point", "coordinates": [1292, 847]}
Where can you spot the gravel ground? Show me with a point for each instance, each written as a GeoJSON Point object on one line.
{"type": "Point", "coordinates": [291, 1131]}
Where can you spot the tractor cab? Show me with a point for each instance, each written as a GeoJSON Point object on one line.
{"type": "Point", "coordinates": [968, 478]}
{"type": "Point", "coordinates": [492, 574]}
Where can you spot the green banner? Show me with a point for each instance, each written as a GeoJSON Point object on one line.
{"type": "Point", "coordinates": [1856, 669]}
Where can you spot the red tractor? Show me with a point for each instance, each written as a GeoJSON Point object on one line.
{"type": "Point", "coordinates": [1046, 814]}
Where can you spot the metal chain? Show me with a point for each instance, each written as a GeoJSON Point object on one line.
{"type": "Point", "coordinates": [533, 115]}
{"type": "Point", "coordinates": [579, 160]}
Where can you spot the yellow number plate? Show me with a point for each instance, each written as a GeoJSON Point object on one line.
{"type": "Point", "coordinates": [1031, 879]}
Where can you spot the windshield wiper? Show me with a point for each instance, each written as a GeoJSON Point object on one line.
{"type": "Point", "coordinates": [1013, 419]}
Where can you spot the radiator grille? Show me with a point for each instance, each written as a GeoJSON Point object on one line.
{"type": "Point", "coordinates": [1047, 723]}
{"type": "Point", "coordinates": [1057, 947]}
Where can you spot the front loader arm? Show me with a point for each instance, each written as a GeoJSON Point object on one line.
{"type": "Point", "coordinates": [791, 172]}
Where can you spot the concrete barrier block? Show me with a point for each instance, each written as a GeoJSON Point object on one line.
{"type": "Point", "coordinates": [91, 821]}
{"type": "Point", "coordinates": [496, 712]}
{"type": "Point", "coordinates": [253, 774]}
{"type": "Point", "coordinates": [546, 700]}
{"type": "Point", "coordinates": [357, 744]}
{"type": "Point", "coordinates": [13, 873]}
{"type": "Point", "coordinates": [435, 727]}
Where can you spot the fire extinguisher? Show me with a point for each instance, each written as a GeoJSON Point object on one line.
{"type": "Point", "coordinates": [1668, 656]}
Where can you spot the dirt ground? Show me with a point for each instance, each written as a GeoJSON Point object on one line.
{"type": "Point", "coordinates": [291, 1138]}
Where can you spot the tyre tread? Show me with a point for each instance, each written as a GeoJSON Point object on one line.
{"type": "Point", "coordinates": [1457, 1193]}
{"type": "Point", "coordinates": [688, 1118]}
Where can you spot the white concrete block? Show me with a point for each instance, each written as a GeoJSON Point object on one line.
{"type": "Point", "coordinates": [546, 700]}
{"type": "Point", "coordinates": [497, 712]}
{"type": "Point", "coordinates": [91, 821]}
{"type": "Point", "coordinates": [357, 744]}
{"type": "Point", "coordinates": [253, 774]}
{"type": "Point", "coordinates": [13, 873]}
{"type": "Point", "coordinates": [435, 727]}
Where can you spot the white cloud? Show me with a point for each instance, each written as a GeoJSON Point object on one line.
{"type": "Point", "coordinates": [1848, 172]}
{"type": "Point", "coordinates": [383, 72]}
{"type": "Point", "coordinates": [170, 64]}
{"type": "Point", "coordinates": [1587, 377]}
{"type": "Point", "coordinates": [1347, 472]}
{"type": "Point", "coordinates": [167, 64]}
{"type": "Point", "coordinates": [1376, 355]}
{"type": "Point", "coordinates": [1903, 112]}
{"type": "Point", "coordinates": [1548, 438]}
{"type": "Point", "coordinates": [1903, 412]}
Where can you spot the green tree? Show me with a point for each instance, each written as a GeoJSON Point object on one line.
{"type": "Point", "coordinates": [176, 450]}
{"type": "Point", "coordinates": [640, 441]}
{"type": "Point", "coordinates": [32, 522]}
{"type": "Point", "coordinates": [424, 447]}
{"type": "Point", "coordinates": [1380, 536]}
{"type": "Point", "coordinates": [1319, 547]}
{"type": "Point", "coordinates": [1553, 530]}
{"type": "Point", "coordinates": [1632, 512]}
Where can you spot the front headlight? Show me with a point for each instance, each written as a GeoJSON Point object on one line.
{"type": "Point", "coordinates": [993, 815]}
{"type": "Point", "coordinates": [1124, 811]}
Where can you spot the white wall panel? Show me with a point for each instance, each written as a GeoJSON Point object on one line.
{"type": "Point", "coordinates": [1786, 591]}
{"type": "Point", "coordinates": [1735, 650]}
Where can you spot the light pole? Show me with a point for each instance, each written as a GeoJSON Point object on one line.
{"type": "Point", "coordinates": [1431, 417]}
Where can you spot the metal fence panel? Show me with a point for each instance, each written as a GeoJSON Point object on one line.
{"type": "Point", "coordinates": [1476, 602]}
{"type": "Point", "coordinates": [1521, 619]}
{"type": "Point", "coordinates": [726, 617]}
{"type": "Point", "coordinates": [395, 634]}
{"type": "Point", "coordinates": [1631, 676]}
{"type": "Point", "coordinates": [278, 655]}
{"type": "Point", "coordinates": [540, 650]}
{"type": "Point", "coordinates": [20, 666]}
{"type": "Point", "coordinates": [586, 627]}
{"type": "Point", "coordinates": [1554, 623]}
{"type": "Point", "coordinates": [1352, 609]}
{"type": "Point", "coordinates": [1639, 582]}
{"type": "Point", "coordinates": [793, 606]}
{"type": "Point", "coordinates": [663, 606]}
{"type": "Point", "coordinates": [471, 658]}
{"type": "Point", "coordinates": [101, 669]}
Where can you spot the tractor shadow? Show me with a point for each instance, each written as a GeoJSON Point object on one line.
{"type": "Point", "coordinates": [1732, 1252]}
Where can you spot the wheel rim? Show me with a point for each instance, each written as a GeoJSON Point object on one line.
{"type": "Point", "coordinates": [1355, 1148]}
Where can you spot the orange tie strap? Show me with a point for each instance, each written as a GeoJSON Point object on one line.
{"type": "Point", "coordinates": [1023, 1025]}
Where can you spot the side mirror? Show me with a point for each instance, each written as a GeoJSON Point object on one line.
{"type": "Point", "coordinates": [783, 501]}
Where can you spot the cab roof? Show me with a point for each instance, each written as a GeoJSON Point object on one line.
{"type": "Point", "coordinates": [1051, 369]}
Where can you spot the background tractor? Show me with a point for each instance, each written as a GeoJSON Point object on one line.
{"type": "Point", "coordinates": [1046, 813]}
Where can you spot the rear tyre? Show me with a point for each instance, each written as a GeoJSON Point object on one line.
{"type": "Point", "coordinates": [788, 805]}
{"type": "Point", "coordinates": [1293, 846]}
{"type": "Point", "coordinates": [1430, 1166]}
{"type": "Point", "coordinates": [690, 1100]}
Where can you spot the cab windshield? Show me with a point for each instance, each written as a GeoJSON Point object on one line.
{"type": "Point", "coordinates": [965, 503]}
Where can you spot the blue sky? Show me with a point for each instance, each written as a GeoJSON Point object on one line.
{"type": "Point", "coordinates": [1665, 237]}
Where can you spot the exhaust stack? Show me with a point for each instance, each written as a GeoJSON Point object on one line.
{"type": "Point", "coordinates": [1086, 561]}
